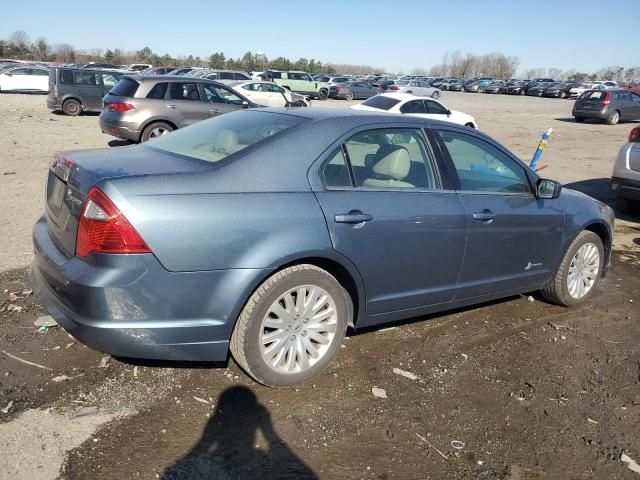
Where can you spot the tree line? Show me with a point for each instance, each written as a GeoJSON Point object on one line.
{"type": "Point", "coordinates": [500, 66]}
{"type": "Point", "coordinates": [454, 64]}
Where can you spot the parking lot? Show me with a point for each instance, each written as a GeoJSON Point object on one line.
{"type": "Point", "coordinates": [517, 389]}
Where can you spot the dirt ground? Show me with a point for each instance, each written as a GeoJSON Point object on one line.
{"type": "Point", "coordinates": [515, 389]}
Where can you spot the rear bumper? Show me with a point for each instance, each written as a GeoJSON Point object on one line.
{"type": "Point", "coordinates": [53, 104]}
{"type": "Point", "coordinates": [626, 188]}
{"type": "Point", "coordinates": [130, 306]}
{"type": "Point", "coordinates": [599, 114]}
{"type": "Point", "coordinates": [124, 130]}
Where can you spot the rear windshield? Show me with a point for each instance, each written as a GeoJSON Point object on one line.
{"type": "Point", "coordinates": [215, 139]}
{"type": "Point", "coordinates": [593, 95]}
{"type": "Point", "coordinates": [125, 88]}
{"type": "Point", "coordinates": [383, 103]}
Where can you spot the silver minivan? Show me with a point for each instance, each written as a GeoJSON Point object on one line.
{"type": "Point", "coordinates": [77, 90]}
{"type": "Point", "coordinates": [139, 107]}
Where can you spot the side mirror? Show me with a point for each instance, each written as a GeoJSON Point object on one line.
{"type": "Point", "coordinates": [549, 189]}
{"type": "Point", "coordinates": [245, 104]}
{"type": "Point", "coordinates": [448, 112]}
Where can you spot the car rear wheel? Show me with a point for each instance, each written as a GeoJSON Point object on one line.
{"type": "Point", "coordinates": [522, 92]}
{"type": "Point", "coordinates": [435, 95]}
{"type": "Point", "coordinates": [72, 107]}
{"type": "Point", "coordinates": [563, 95]}
{"type": "Point", "coordinates": [613, 118]}
{"type": "Point", "coordinates": [349, 96]}
{"type": "Point", "coordinates": [323, 94]}
{"type": "Point", "coordinates": [291, 327]}
{"type": "Point", "coordinates": [579, 272]}
{"type": "Point", "coordinates": [156, 129]}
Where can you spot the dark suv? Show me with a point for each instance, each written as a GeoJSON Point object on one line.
{"type": "Point", "coordinates": [77, 90]}
{"type": "Point", "coordinates": [139, 107]}
{"type": "Point", "coordinates": [611, 106]}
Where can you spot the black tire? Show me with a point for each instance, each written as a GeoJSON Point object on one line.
{"type": "Point", "coordinates": [579, 119]}
{"type": "Point", "coordinates": [323, 94]}
{"type": "Point", "coordinates": [349, 96]}
{"type": "Point", "coordinates": [435, 95]}
{"type": "Point", "coordinates": [613, 118]}
{"type": "Point", "coordinates": [522, 92]}
{"type": "Point", "coordinates": [72, 107]}
{"type": "Point", "coordinates": [245, 340]}
{"type": "Point", "coordinates": [299, 103]}
{"type": "Point", "coordinates": [558, 290]}
{"type": "Point", "coordinates": [563, 95]}
{"type": "Point", "coordinates": [149, 131]}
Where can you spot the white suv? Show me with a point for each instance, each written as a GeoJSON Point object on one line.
{"type": "Point", "coordinates": [625, 180]}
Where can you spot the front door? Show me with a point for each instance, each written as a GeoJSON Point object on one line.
{"type": "Point", "coordinates": [219, 99]}
{"type": "Point", "coordinates": [387, 213]}
{"type": "Point", "coordinates": [513, 237]}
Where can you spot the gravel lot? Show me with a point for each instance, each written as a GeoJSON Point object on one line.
{"type": "Point", "coordinates": [515, 389]}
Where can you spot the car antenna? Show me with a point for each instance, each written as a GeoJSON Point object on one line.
{"type": "Point", "coordinates": [538, 153]}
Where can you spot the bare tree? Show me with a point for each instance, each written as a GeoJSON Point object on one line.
{"type": "Point", "coordinates": [64, 53]}
{"type": "Point", "coordinates": [41, 49]}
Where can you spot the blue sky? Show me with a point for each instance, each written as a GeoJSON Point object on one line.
{"type": "Point", "coordinates": [581, 34]}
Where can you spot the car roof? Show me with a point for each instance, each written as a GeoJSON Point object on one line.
{"type": "Point", "coordinates": [168, 78]}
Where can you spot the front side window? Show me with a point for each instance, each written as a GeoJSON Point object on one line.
{"type": "Point", "coordinates": [414, 106]}
{"type": "Point", "coordinates": [226, 75]}
{"type": "Point", "coordinates": [482, 167]}
{"type": "Point", "coordinates": [184, 91]}
{"type": "Point", "coordinates": [391, 158]}
{"type": "Point", "coordinates": [435, 107]}
{"type": "Point", "coordinates": [216, 94]}
{"type": "Point", "coordinates": [21, 71]}
{"type": "Point", "coordinates": [40, 72]}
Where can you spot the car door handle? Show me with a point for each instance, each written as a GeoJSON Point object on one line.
{"type": "Point", "coordinates": [172, 107]}
{"type": "Point", "coordinates": [354, 216]}
{"type": "Point", "coordinates": [484, 216]}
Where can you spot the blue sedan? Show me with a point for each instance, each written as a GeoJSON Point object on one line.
{"type": "Point", "coordinates": [267, 232]}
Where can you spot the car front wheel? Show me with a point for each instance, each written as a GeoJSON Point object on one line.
{"type": "Point", "coordinates": [291, 327]}
{"type": "Point", "coordinates": [435, 95]}
{"type": "Point", "coordinates": [579, 272]}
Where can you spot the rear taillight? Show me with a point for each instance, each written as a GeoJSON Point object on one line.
{"type": "Point", "coordinates": [393, 87]}
{"type": "Point", "coordinates": [606, 100]}
{"type": "Point", "coordinates": [634, 135]}
{"type": "Point", "coordinates": [104, 229]}
{"type": "Point", "coordinates": [338, 89]}
{"type": "Point", "coordinates": [119, 107]}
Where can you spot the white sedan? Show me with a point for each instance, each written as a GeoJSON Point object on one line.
{"type": "Point", "coordinates": [423, 107]}
{"type": "Point", "coordinates": [24, 79]}
{"type": "Point", "coordinates": [269, 94]}
{"type": "Point", "coordinates": [417, 87]}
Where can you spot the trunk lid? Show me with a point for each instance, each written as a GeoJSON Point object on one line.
{"type": "Point", "coordinates": [73, 174]}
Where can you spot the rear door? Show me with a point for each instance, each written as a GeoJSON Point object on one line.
{"type": "Point", "coordinates": [388, 212]}
{"type": "Point", "coordinates": [635, 106]}
{"type": "Point", "coordinates": [183, 104]}
{"type": "Point", "coordinates": [513, 238]}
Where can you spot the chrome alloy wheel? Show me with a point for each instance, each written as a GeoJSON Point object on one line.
{"type": "Point", "coordinates": [157, 132]}
{"type": "Point", "coordinates": [583, 270]}
{"type": "Point", "coordinates": [298, 329]}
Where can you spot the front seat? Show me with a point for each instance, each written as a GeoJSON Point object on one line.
{"type": "Point", "coordinates": [391, 167]}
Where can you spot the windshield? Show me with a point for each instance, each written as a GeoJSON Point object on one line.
{"type": "Point", "coordinates": [217, 138]}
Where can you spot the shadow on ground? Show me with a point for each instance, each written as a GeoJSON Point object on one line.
{"type": "Point", "coordinates": [231, 448]}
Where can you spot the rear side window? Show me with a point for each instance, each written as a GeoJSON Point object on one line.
{"type": "Point", "coordinates": [226, 76]}
{"type": "Point", "coordinates": [184, 91]}
{"type": "Point", "coordinates": [335, 170]}
{"type": "Point", "coordinates": [383, 103]}
{"type": "Point", "coordinates": [125, 88]}
{"type": "Point", "coordinates": [158, 91]}
{"type": "Point", "coordinates": [110, 79]}
{"type": "Point", "coordinates": [391, 158]}
{"type": "Point", "coordinates": [275, 74]}
{"type": "Point", "coordinates": [241, 76]}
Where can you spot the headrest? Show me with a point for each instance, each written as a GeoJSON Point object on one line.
{"type": "Point", "coordinates": [392, 161]}
{"type": "Point", "coordinates": [225, 140]}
